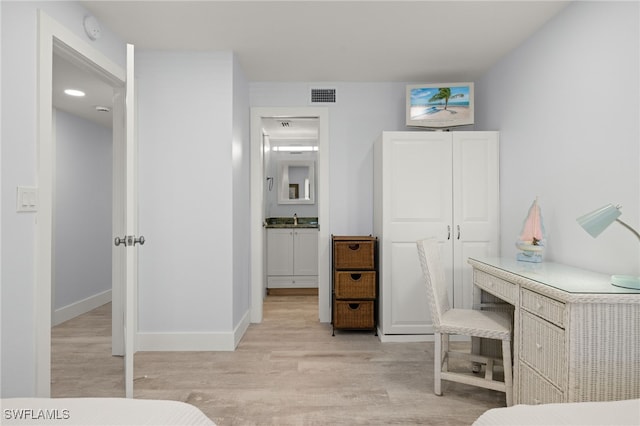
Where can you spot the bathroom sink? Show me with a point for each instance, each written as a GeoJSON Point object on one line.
{"type": "Point", "coordinates": [288, 222]}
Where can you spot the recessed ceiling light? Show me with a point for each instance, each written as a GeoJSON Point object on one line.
{"type": "Point", "coordinates": [74, 92]}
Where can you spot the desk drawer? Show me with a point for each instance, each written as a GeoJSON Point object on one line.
{"type": "Point", "coordinates": [542, 306]}
{"type": "Point", "coordinates": [498, 287]}
{"type": "Point", "coordinates": [542, 347]}
{"type": "Point", "coordinates": [534, 389]}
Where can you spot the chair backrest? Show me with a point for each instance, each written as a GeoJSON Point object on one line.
{"type": "Point", "coordinates": [434, 278]}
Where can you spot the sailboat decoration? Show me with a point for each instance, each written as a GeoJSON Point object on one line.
{"type": "Point", "coordinates": [532, 241]}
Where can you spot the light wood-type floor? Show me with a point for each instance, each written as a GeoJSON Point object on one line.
{"type": "Point", "coordinates": [288, 370]}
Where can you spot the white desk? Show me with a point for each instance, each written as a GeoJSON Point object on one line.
{"type": "Point", "coordinates": [576, 336]}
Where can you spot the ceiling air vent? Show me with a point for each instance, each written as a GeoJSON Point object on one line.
{"type": "Point", "coordinates": [323, 96]}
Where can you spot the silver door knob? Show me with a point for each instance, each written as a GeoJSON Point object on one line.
{"type": "Point", "coordinates": [129, 240]}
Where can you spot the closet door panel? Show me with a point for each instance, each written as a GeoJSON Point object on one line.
{"type": "Point", "coordinates": [419, 186]}
{"type": "Point", "coordinates": [409, 311]}
{"type": "Point", "coordinates": [475, 206]}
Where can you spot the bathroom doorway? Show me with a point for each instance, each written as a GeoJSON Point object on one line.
{"type": "Point", "coordinates": [82, 284]}
{"type": "Point", "coordinates": [308, 119]}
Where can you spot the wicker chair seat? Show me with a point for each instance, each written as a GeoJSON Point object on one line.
{"type": "Point", "coordinates": [474, 323]}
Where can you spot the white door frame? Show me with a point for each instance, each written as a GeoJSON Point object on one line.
{"type": "Point", "coordinates": [258, 276]}
{"type": "Point", "coordinates": [54, 37]}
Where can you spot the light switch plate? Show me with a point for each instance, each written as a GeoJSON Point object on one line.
{"type": "Point", "coordinates": [27, 199]}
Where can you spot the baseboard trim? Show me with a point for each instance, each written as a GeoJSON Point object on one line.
{"type": "Point", "coordinates": [193, 341]}
{"type": "Point", "coordinates": [292, 291]}
{"type": "Point", "coordinates": [184, 341]}
{"type": "Point", "coordinates": [241, 328]}
{"type": "Point", "coordinates": [404, 338]}
{"type": "Point", "coordinates": [80, 307]}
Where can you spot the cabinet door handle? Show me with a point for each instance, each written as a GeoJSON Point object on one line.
{"type": "Point", "coordinates": [458, 231]}
{"type": "Point", "coordinates": [448, 232]}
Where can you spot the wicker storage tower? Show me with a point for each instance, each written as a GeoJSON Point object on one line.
{"type": "Point", "coordinates": [354, 282]}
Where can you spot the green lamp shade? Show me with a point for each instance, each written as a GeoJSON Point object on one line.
{"type": "Point", "coordinates": [597, 221]}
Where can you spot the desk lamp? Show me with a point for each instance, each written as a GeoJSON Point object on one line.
{"type": "Point", "coordinates": [596, 222]}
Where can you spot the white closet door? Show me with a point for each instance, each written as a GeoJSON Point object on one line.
{"type": "Point", "coordinates": [417, 191]}
{"type": "Point", "coordinates": [476, 206]}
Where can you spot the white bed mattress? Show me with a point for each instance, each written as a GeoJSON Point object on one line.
{"type": "Point", "coordinates": [99, 411]}
{"type": "Point", "coordinates": [612, 413]}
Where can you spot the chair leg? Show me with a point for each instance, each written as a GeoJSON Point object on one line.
{"type": "Point", "coordinates": [445, 352]}
{"type": "Point", "coordinates": [508, 373]}
{"type": "Point", "coordinates": [437, 364]}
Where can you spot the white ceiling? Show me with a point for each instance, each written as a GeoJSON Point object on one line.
{"type": "Point", "coordinates": [68, 76]}
{"type": "Point", "coordinates": [291, 130]}
{"type": "Point", "coordinates": [332, 41]}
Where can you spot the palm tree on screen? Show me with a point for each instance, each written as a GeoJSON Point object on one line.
{"type": "Point", "coordinates": [443, 93]}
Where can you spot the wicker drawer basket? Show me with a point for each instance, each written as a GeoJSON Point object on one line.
{"type": "Point", "coordinates": [353, 254]}
{"type": "Point", "coordinates": [355, 284]}
{"type": "Point", "coordinates": [353, 314]}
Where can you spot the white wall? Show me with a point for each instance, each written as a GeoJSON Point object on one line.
{"type": "Point", "coordinates": [567, 105]}
{"type": "Point", "coordinates": [185, 191]}
{"type": "Point", "coordinates": [19, 125]}
{"type": "Point", "coordinates": [82, 211]}
{"type": "Point", "coordinates": [241, 163]}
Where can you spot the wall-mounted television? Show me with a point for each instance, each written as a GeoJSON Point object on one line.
{"type": "Point", "coordinates": [440, 105]}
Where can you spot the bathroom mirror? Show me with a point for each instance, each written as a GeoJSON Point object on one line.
{"type": "Point", "coordinates": [296, 183]}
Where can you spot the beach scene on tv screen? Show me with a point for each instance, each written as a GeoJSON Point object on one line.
{"type": "Point", "coordinates": [440, 104]}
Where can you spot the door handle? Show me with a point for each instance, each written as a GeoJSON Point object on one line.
{"type": "Point", "coordinates": [458, 231]}
{"type": "Point", "coordinates": [448, 232]}
{"type": "Point", "coordinates": [129, 240]}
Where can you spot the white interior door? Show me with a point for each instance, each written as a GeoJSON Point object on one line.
{"type": "Point", "coordinates": [131, 224]}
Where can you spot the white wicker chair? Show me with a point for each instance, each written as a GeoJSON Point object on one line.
{"type": "Point", "coordinates": [466, 322]}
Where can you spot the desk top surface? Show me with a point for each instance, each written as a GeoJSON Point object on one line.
{"type": "Point", "coordinates": [562, 277]}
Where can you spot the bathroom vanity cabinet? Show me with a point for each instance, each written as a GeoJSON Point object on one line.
{"type": "Point", "coordinates": [292, 258]}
